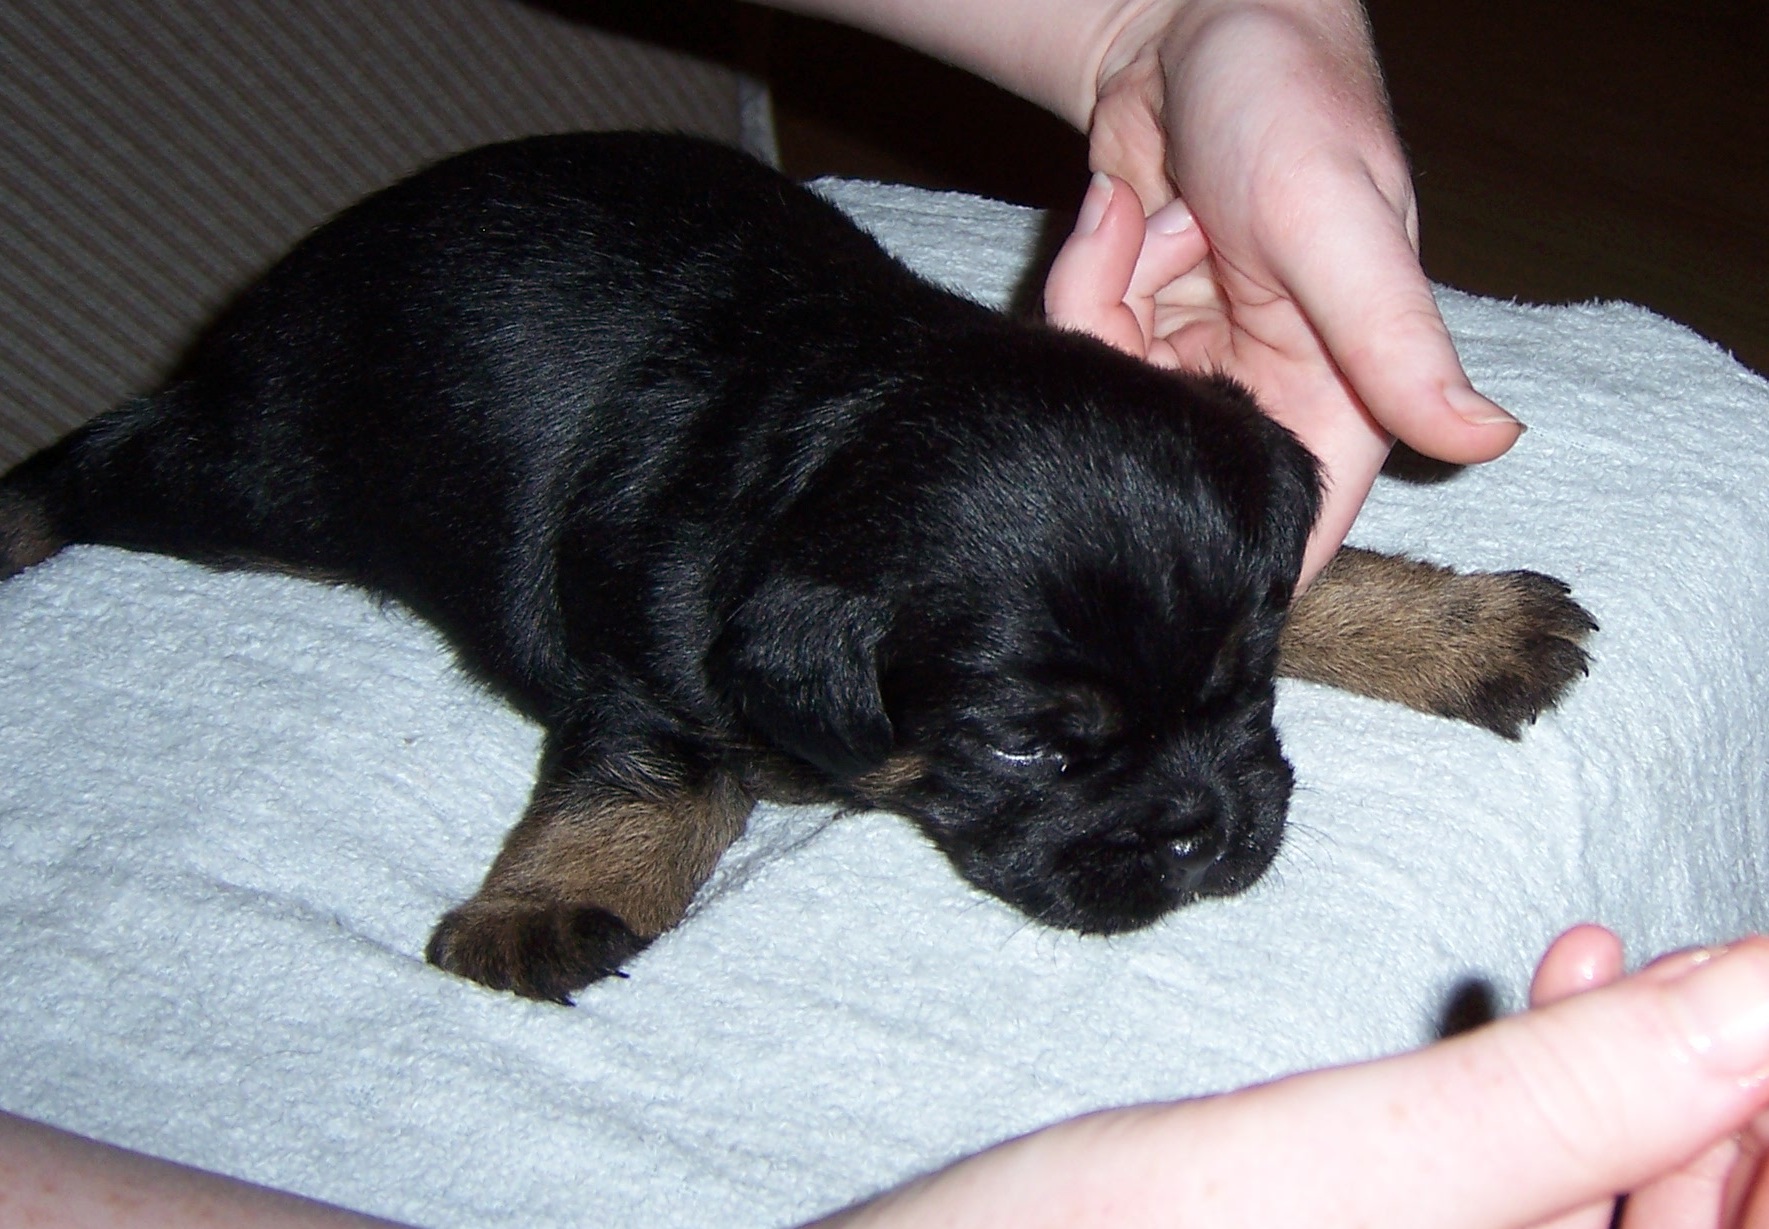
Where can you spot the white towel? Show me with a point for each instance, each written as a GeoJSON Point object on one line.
{"type": "Point", "coordinates": [232, 806]}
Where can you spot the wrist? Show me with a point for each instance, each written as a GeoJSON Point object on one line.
{"type": "Point", "coordinates": [1331, 37]}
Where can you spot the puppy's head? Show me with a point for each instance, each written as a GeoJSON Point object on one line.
{"type": "Point", "coordinates": [1043, 622]}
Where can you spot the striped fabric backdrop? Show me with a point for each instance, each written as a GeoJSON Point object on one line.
{"type": "Point", "coordinates": [154, 156]}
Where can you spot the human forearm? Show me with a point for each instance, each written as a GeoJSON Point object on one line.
{"type": "Point", "coordinates": [1059, 53]}
{"type": "Point", "coordinates": [56, 1180]}
{"type": "Point", "coordinates": [1048, 51]}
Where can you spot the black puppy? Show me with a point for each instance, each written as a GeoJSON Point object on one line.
{"type": "Point", "coordinates": [738, 507]}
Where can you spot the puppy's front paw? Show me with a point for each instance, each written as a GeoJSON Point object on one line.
{"type": "Point", "coordinates": [538, 949]}
{"type": "Point", "coordinates": [1496, 649]}
{"type": "Point", "coordinates": [1527, 649]}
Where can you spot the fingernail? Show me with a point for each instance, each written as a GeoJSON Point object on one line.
{"type": "Point", "coordinates": [1673, 966]}
{"type": "Point", "coordinates": [1171, 219]}
{"type": "Point", "coordinates": [1093, 205]}
{"type": "Point", "coordinates": [1472, 408]}
{"type": "Point", "coordinates": [1725, 1007]}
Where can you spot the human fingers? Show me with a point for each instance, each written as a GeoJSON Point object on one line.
{"type": "Point", "coordinates": [1696, 1195]}
{"type": "Point", "coordinates": [1707, 1191]}
{"type": "Point", "coordinates": [1351, 449]}
{"type": "Point", "coordinates": [1509, 1125]}
{"type": "Point", "coordinates": [1351, 273]}
{"type": "Point", "coordinates": [1091, 275]}
{"type": "Point", "coordinates": [1751, 1210]}
{"type": "Point", "coordinates": [1717, 1188]}
{"type": "Point", "coordinates": [1357, 278]}
{"type": "Point", "coordinates": [1172, 247]}
{"type": "Point", "coordinates": [1107, 275]}
{"type": "Point", "coordinates": [1534, 1116]}
{"type": "Point", "coordinates": [1583, 958]}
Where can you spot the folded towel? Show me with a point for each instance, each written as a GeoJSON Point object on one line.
{"type": "Point", "coordinates": [232, 806]}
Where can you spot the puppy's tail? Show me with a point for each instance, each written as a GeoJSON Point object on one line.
{"type": "Point", "coordinates": [47, 499]}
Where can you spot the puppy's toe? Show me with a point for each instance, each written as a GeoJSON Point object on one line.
{"type": "Point", "coordinates": [1530, 637]}
{"type": "Point", "coordinates": [1547, 603]}
{"type": "Point", "coordinates": [538, 949]}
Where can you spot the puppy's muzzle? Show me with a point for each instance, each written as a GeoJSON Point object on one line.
{"type": "Point", "coordinates": [1173, 851]}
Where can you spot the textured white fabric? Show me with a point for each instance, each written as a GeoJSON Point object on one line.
{"type": "Point", "coordinates": [231, 807]}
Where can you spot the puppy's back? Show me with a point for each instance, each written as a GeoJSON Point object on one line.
{"type": "Point", "coordinates": [424, 392]}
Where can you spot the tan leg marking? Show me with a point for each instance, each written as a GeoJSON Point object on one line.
{"type": "Point", "coordinates": [890, 778]}
{"type": "Point", "coordinates": [590, 875]}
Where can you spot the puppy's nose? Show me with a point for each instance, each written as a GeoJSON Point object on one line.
{"type": "Point", "coordinates": [1192, 840]}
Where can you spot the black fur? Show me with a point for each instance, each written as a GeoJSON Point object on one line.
{"type": "Point", "coordinates": [694, 473]}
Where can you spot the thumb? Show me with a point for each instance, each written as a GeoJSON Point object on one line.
{"type": "Point", "coordinates": [1358, 280]}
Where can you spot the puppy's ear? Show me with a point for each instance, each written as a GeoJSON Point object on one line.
{"type": "Point", "coordinates": [800, 662]}
{"type": "Point", "coordinates": [1298, 483]}
{"type": "Point", "coordinates": [1272, 480]}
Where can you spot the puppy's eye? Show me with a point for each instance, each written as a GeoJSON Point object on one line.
{"type": "Point", "coordinates": [1031, 755]}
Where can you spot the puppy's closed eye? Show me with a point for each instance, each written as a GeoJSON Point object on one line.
{"type": "Point", "coordinates": [1027, 754]}
{"type": "Point", "coordinates": [1066, 725]}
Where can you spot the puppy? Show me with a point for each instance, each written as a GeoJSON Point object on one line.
{"type": "Point", "coordinates": [737, 507]}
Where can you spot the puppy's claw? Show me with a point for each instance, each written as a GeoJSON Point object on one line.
{"type": "Point", "coordinates": [1550, 602]}
{"type": "Point", "coordinates": [537, 949]}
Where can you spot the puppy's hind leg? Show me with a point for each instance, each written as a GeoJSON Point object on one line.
{"type": "Point", "coordinates": [136, 476]}
{"type": "Point", "coordinates": [27, 535]}
{"type": "Point", "coordinates": [30, 529]}
{"type": "Point", "coordinates": [607, 857]}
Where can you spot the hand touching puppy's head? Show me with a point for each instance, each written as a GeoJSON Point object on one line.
{"type": "Point", "coordinates": [1044, 625]}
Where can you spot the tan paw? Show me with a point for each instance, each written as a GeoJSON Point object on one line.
{"type": "Point", "coordinates": [1493, 648]}
{"type": "Point", "coordinates": [536, 949]}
